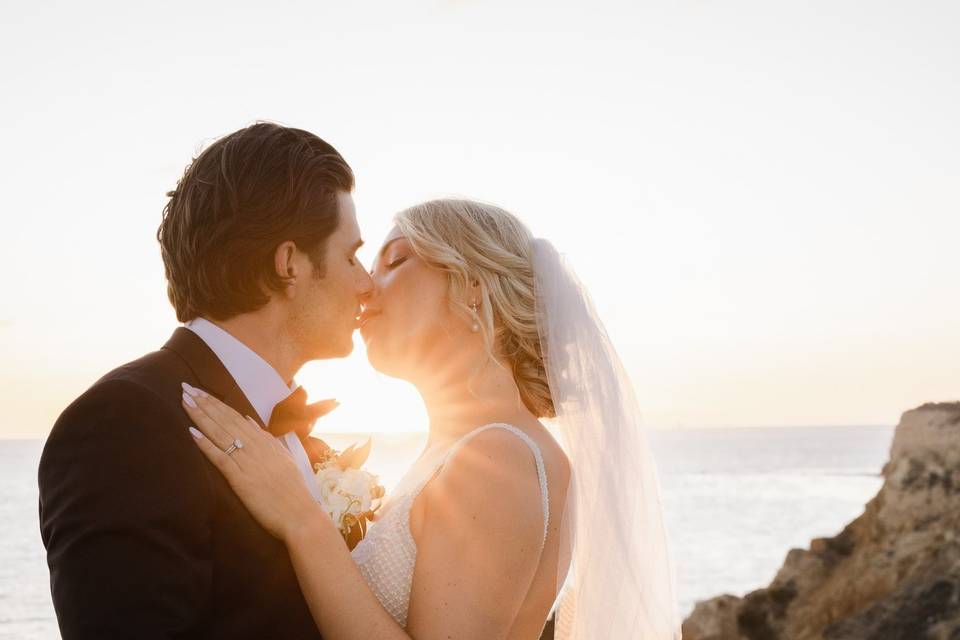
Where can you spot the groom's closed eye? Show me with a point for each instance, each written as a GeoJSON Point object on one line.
{"type": "Point", "coordinates": [352, 257]}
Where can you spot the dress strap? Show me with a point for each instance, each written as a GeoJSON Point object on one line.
{"type": "Point", "coordinates": [538, 457]}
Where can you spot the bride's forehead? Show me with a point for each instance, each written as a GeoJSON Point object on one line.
{"type": "Point", "coordinates": [393, 235]}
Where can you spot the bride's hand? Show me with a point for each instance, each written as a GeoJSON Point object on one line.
{"type": "Point", "coordinates": [260, 470]}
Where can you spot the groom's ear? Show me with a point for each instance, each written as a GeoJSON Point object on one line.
{"type": "Point", "coordinates": [285, 265]}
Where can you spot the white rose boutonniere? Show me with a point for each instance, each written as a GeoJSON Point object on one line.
{"type": "Point", "coordinates": [349, 494]}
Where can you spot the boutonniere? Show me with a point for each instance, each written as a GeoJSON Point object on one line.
{"type": "Point", "coordinates": [349, 494]}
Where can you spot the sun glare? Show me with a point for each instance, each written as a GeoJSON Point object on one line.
{"type": "Point", "coordinates": [370, 402]}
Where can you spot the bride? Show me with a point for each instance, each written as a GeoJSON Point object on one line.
{"type": "Point", "coordinates": [496, 524]}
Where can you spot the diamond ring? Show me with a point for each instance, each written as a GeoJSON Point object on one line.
{"type": "Point", "coordinates": [237, 444]}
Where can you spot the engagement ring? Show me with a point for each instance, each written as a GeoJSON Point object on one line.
{"type": "Point", "coordinates": [237, 444]}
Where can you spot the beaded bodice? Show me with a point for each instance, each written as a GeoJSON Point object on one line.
{"type": "Point", "coordinates": [387, 555]}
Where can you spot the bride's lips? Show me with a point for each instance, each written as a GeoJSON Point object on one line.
{"type": "Point", "coordinates": [366, 316]}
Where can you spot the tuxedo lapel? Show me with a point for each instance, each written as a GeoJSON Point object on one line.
{"type": "Point", "coordinates": [212, 376]}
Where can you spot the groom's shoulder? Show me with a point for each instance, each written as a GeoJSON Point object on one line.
{"type": "Point", "coordinates": [129, 420]}
{"type": "Point", "coordinates": [154, 371]}
{"type": "Point", "coordinates": [137, 389]}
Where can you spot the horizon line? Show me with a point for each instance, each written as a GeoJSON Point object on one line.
{"type": "Point", "coordinates": [649, 428]}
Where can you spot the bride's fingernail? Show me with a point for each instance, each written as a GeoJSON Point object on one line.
{"type": "Point", "coordinates": [187, 399]}
{"type": "Point", "coordinates": [196, 433]}
{"type": "Point", "coordinates": [191, 390]}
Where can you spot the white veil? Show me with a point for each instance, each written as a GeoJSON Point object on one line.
{"type": "Point", "coordinates": [621, 580]}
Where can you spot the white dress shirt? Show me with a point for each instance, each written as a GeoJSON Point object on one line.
{"type": "Point", "coordinates": [259, 382]}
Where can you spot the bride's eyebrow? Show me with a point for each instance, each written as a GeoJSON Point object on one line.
{"type": "Point", "coordinates": [383, 249]}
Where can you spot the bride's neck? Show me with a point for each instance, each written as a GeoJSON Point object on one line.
{"type": "Point", "coordinates": [459, 401]}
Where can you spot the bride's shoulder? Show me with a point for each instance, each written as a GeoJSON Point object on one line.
{"type": "Point", "coordinates": [494, 453]}
{"type": "Point", "coordinates": [492, 475]}
{"type": "Point", "coordinates": [488, 477]}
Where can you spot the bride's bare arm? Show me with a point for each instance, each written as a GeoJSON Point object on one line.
{"type": "Point", "coordinates": [339, 599]}
{"type": "Point", "coordinates": [479, 543]}
{"type": "Point", "coordinates": [479, 546]}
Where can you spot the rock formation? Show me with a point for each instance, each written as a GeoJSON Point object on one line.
{"type": "Point", "coordinates": [891, 574]}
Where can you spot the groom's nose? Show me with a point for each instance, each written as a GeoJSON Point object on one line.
{"type": "Point", "coordinates": [364, 286]}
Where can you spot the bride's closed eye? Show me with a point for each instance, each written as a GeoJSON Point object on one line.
{"type": "Point", "coordinates": [397, 262]}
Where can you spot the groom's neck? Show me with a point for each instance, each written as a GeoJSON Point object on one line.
{"type": "Point", "coordinates": [265, 337]}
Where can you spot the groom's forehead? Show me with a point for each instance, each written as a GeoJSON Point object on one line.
{"type": "Point", "coordinates": [348, 216]}
{"type": "Point", "coordinates": [347, 208]}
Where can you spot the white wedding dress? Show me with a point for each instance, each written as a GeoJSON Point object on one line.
{"type": "Point", "coordinates": [386, 556]}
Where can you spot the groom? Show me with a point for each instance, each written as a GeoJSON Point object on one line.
{"type": "Point", "coordinates": [144, 538]}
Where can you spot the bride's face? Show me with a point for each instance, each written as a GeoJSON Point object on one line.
{"type": "Point", "coordinates": [407, 324]}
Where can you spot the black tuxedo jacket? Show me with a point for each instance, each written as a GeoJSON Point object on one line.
{"type": "Point", "coordinates": [144, 537]}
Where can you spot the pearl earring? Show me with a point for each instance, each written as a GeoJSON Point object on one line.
{"type": "Point", "coordinates": [475, 327]}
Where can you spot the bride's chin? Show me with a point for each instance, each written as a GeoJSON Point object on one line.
{"type": "Point", "coordinates": [374, 356]}
{"type": "Point", "coordinates": [382, 363]}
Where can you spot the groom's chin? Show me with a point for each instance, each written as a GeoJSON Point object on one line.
{"type": "Point", "coordinates": [331, 350]}
{"type": "Point", "coordinates": [341, 351]}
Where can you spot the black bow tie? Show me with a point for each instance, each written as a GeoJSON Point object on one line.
{"type": "Point", "coordinates": [294, 414]}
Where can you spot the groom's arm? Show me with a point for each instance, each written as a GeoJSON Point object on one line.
{"type": "Point", "coordinates": [125, 505]}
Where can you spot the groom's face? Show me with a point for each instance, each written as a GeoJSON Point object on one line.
{"type": "Point", "coordinates": [324, 311]}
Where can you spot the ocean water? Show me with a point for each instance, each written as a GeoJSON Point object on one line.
{"type": "Point", "coordinates": [736, 501]}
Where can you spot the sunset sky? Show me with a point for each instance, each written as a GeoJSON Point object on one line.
{"type": "Point", "coordinates": [764, 198]}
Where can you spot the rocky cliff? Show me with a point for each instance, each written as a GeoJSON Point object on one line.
{"type": "Point", "coordinates": [891, 574]}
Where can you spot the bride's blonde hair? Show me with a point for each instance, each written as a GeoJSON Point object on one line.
{"type": "Point", "coordinates": [474, 242]}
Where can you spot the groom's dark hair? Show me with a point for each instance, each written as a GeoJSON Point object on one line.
{"type": "Point", "coordinates": [236, 203]}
